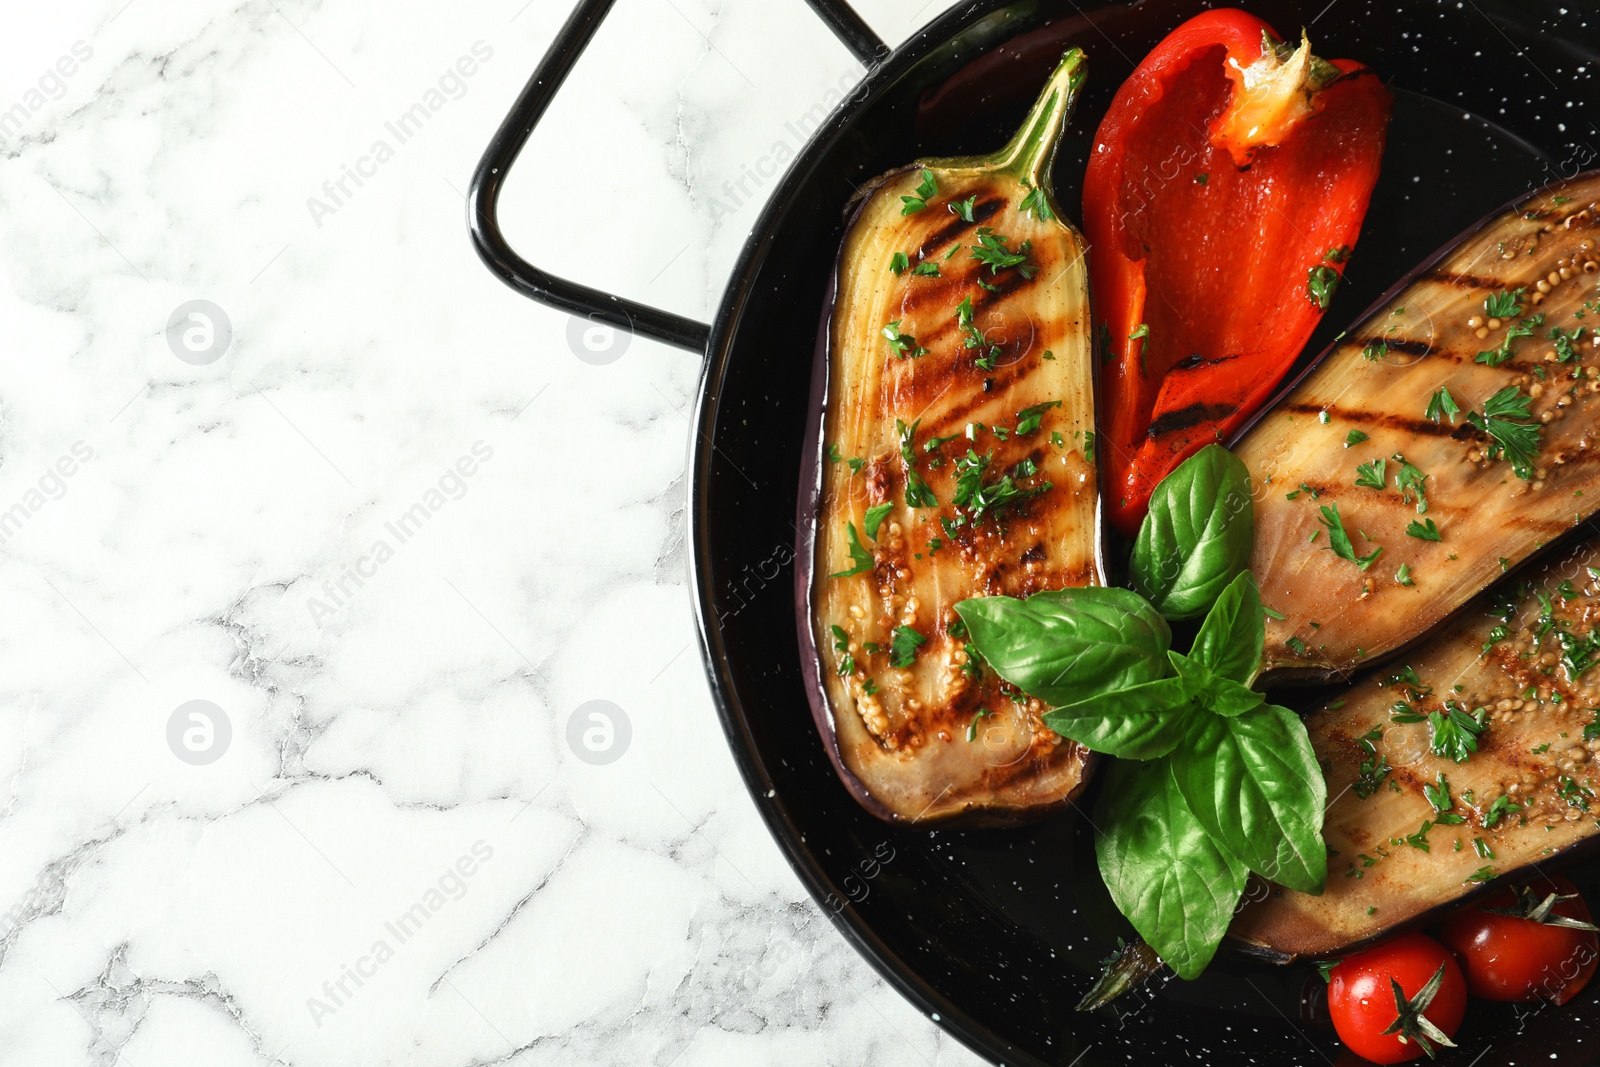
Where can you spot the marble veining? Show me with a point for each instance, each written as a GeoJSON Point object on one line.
{"type": "Point", "coordinates": [351, 708]}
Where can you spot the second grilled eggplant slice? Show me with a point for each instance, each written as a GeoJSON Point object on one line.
{"type": "Point", "coordinates": [1452, 434]}
{"type": "Point", "coordinates": [1508, 692]}
{"type": "Point", "coordinates": [957, 462]}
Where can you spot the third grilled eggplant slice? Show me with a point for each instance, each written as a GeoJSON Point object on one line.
{"type": "Point", "coordinates": [1453, 433]}
{"type": "Point", "coordinates": [957, 461]}
{"type": "Point", "coordinates": [1474, 758]}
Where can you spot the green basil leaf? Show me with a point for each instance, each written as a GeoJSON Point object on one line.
{"type": "Point", "coordinates": [1229, 698]}
{"type": "Point", "coordinates": [1141, 722]}
{"type": "Point", "coordinates": [1253, 782]}
{"type": "Point", "coordinates": [1230, 640]}
{"type": "Point", "coordinates": [1197, 536]}
{"type": "Point", "coordinates": [1068, 645]}
{"type": "Point", "coordinates": [1163, 870]}
{"type": "Point", "coordinates": [1210, 690]}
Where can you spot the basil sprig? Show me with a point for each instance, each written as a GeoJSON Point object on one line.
{"type": "Point", "coordinates": [1197, 535]}
{"type": "Point", "coordinates": [1211, 781]}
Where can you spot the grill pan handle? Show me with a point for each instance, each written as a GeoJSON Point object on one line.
{"type": "Point", "coordinates": [513, 134]}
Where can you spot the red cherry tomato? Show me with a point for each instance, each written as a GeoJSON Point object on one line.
{"type": "Point", "coordinates": [1507, 957]}
{"type": "Point", "coordinates": [1362, 1002]}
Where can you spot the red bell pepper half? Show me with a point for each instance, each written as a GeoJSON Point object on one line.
{"type": "Point", "coordinates": [1225, 188]}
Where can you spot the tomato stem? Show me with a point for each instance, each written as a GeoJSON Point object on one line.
{"type": "Point", "coordinates": [1411, 1024]}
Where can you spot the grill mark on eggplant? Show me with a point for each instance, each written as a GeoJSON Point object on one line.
{"type": "Point", "coordinates": [1186, 418]}
{"type": "Point", "coordinates": [958, 226]}
{"type": "Point", "coordinates": [1395, 344]}
{"type": "Point", "coordinates": [1462, 281]}
{"type": "Point", "coordinates": [1419, 426]}
{"type": "Point", "coordinates": [1010, 284]}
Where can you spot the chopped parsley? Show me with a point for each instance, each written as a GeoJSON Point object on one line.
{"type": "Point", "coordinates": [1029, 418]}
{"type": "Point", "coordinates": [1354, 437]}
{"type": "Point", "coordinates": [984, 498]}
{"type": "Point", "coordinates": [927, 270]}
{"type": "Point", "coordinates": [1502, 806]}
{"type": "Point", "coordinates": [1482, 874]}
{"type": "Point", "coordinates": [1321, 281]}
{"type": "Point", "coordinates": [972, 727]}
{"type": "Point", "coordinates": [992, 251]}
{"type": "Point", "coordinates": [1037, 204]}
{"type": "Point", "coordinates": [859, 556]}
{"type": "Point", "coordinates": [1374, 768]}
{"type": "Point", "coordinates": [1339, 540]}
{"type": "Point", "coordinates": [841, 641]}
{"type": "Point", "coordinates": [1410, 480]}
{"type": "Point", "coordinates": [874, 518]}
{"type": "Point", "coordinates": [963, 208]}
{"type": "Point", "coordinates": [1371, 475]}
{"type": "Point", "coordinates": [1438, 796]}
{"type": "Point", "coordinates": [1481, 847]}
{"type": "Point", "coordinates": [928, 189]}
{"type": "Point", "coordinates": [1575, 795]}
{"type": "Point", "coordinates": [903, 343]}
{"type": "Point", "coordinates": [1521, 328]}
{"type": "Point", "coordinates": [898, 263]}
{"type": "Point", "coordinates": [1141, 333]}
{"type": "Point", "coordinates": [903, 649]}
{"type": "Point", "coordinates": [1503, 305]}
{"type": "Point", "coordinates": [1563, 342]}
{"type": "Point", "coordinates": [1454, 733]}
{"type": "Point", "coordinates": [1441, 405]}
{"type": "Point", "coordinates": [1426, 531]}
{"type": "Point", "coordinates": [1375, 350]}
{"type": "Point", "coordinates": [1512, 438]}
{"type": "Point", "coordinates": [1403, 575]}
{"type": "Point", "coordinates": [918, 493]}
{"type": "Point", "coordinates": [1420, 838]}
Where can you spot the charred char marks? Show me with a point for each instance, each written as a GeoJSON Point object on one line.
{"type": "Point", "coordinates": [957, 226]}
{"type": "Point", "coordinates": [1197, 361]}
{"type": "Point", "coordinates": [1184, 418]}
{"type": "Point", "coordinates": [1420, 427]}
{"type": "Point", "coordinates": [1395, 344]}
{"type": "Point", "coordinates": [1463, 281]}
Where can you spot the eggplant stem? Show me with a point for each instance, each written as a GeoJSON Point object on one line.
{"type": "Point", "coordinates": [1032, 152]}
{"type": "Point", "coordinates": [1130, 966]}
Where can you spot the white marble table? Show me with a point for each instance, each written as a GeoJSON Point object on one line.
{"type": "Point", "coordinates": [393, 534]}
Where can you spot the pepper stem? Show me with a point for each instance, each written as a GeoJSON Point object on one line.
{"type": "Point", "coordinates": [1031, 153]}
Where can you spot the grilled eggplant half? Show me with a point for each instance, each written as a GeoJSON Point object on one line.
{"type": "Point", "coordinates": [955, 460]}
{"type": "Point", "coordinates": [1452, 434]}
{"type": "Point", "coordinates": [1474, 758]}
